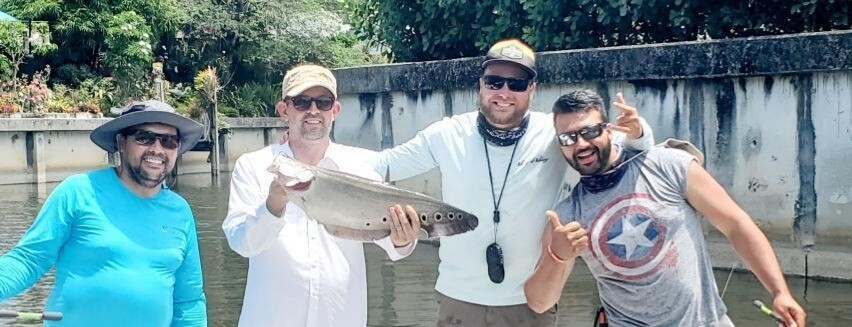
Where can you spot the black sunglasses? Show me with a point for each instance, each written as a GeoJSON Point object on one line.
{"type": "Point", "coordinates": [303, 102]}
{"type": "Point", "coordinates": [147, 138]}
{"type": "Point", "coordinates": [589, 133]}
{"type": "Point", "coordinates": [516, 84]}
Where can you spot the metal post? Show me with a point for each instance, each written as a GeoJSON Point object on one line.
{"type": "Point", "coordinates": [214, 137]}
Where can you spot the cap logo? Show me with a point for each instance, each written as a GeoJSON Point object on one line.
{"type": "Point", "coordinates": [512, 52]}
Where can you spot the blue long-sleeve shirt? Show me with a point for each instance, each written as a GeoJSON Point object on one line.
{"type": "Point", "coordinates": [121, 259]}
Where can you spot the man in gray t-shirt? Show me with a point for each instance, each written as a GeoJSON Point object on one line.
{"type": "Point", "coordinates": [639, 214]}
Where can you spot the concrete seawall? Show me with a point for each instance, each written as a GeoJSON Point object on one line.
{"type": "Point", "coordinates": [772, 114]}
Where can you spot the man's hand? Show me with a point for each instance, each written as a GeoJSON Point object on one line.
{"type": "Point", "coordinates": [568, 241]}
{"type": "Point", "coordinates": [404, 226]}
{"type": "Point", "coordinates": [277, 199]}
{"type": "Point", "coordinates": [628, 120]}
{"type": "Point", "coordinates": [787, 308]}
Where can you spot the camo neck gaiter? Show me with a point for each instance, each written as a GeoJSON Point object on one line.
{"type": "Point", "coordinates": [500, 137]}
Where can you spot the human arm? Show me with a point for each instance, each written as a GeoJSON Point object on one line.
{"type": "Point", "coordinates": [408, 159]}
{"type": "Point", "coordinates": [38, 249]}
{"type": "Point", "coordinates": [404, 232]}
{"type": "Point", "coordinates": [711, 200]}
{"type": "Point", "coordinates": [560, 246]}
{"type": "Point", "coordinates": [190, 303]}
{"type": "Point", "coordinates": [250, 226]}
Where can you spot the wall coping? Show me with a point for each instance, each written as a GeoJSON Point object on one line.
{"type": "Point", "coordinates": [768, 55]}
{"type": "Point", "coordinates": [88, 124]}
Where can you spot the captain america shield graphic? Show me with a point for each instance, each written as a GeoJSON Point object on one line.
{"type": "Point", "coordinates": [627, 237]}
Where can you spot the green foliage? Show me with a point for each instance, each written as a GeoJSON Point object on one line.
{"type": "Point", "coordinates": [256, 41]}
{"type": "Point", "coordinates": [127, 51]}
{"type": "Point", "coordinates": [89, 32]}
{"type": "Point", "coordinates": [251, 100]}
{"type": "Point", "coordinates": [16, 42]}
{"type": "Point", "coordinates": [416, 30]}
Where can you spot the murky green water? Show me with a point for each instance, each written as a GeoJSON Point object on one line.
{"type": "Point", "coordinates": [400, 294]}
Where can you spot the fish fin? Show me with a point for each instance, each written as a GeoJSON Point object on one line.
{"type": "Point", "coordinates": [356, 234]}
{"type": "Point", "coordinates": [450, 227]}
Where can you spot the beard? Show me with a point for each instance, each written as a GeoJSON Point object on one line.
{"type": "Point", "coordinates": [598, 166]}
{"type": "Point", "coordinates": [143, 176]}
{"type": "Point", "coordinates": [314, 132]}
{"type": "Point", "coordinates": [512, 118]}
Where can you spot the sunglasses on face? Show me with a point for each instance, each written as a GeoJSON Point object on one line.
{"type": "Point", "coordinates": [588, 133]}
{"type": "Point", "coordinates": [303, 102]}
{"type": "Point", "coordinates": [147, 138]}
{"type": "Point", "coordinates": [494, 82]}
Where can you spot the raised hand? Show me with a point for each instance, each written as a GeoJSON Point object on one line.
{"type": "Point", "coordinates": [628, 119]}
{"type": "Point", "coordinates": [567, 241]}
{"type": "Point", "coordinates": [405, 227]}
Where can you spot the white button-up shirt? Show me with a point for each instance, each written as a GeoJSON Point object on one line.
{"type": "Point", "coordinates": [299, 275]}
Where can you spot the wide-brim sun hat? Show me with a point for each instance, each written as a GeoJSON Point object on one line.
{"type": "Point", "coordinates": [144, 112]}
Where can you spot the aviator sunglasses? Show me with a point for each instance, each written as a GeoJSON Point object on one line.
{"type": "Point", "coordinates": [147, 138]}
{"type": "Point", "coordinates": [516, 84]}
{"type": "Point", "coordinates": [303, 102]}
{"type": "Point", "coordinates": [588, 133]}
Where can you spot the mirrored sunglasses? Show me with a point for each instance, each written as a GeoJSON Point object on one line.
{"type": "Point", "coordinates": [588, 133]}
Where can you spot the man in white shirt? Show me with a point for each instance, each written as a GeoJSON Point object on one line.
{"type": "Point", "coordinates": [300, 275]}
{"type": "Point", "coordinates": [503, 164]}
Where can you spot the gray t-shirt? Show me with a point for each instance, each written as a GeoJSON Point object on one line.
{"type": "Point", "coordinates": [646, 247]}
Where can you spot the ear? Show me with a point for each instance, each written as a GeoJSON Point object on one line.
{"type": "Point", "coordinates": [335, 110]}
{"type": "Point", "coordinates": [281, 109]}
{"type": "Point", "coordinates": [533, 87]}
{"type": "Point", "coordinates": [119, 142]}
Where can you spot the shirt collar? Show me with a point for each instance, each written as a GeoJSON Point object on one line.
{"type": "Point", "coordinates": [330, 160]}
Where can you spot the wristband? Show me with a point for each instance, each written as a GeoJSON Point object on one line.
{"type": "Point", "coordinates": [554, 256]}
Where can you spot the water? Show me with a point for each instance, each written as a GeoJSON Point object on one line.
{"type": "Point", "coordinates": [401, 293]}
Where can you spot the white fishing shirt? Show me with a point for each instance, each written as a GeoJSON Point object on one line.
{"type": "Point", "coordinates": [537, 175]}
{"type": "Point", "coordinates": [299, 275]}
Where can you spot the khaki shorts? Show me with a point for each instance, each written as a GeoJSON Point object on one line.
{"type": "Point", "coordinates": [455, 313]}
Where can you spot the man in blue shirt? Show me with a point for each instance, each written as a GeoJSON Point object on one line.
{"type": "Point", "coordinates": [124, 246]}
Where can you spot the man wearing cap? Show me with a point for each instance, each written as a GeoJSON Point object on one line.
{"type": "Point", "coordinates": [124, 246]}
{"type": "Point", "coordinates": [503, 164]}
{"type": "Point", "coordinates": [300, 275]}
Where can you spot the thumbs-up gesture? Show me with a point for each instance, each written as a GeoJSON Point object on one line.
{"type": "Point", "coordinates": [628, 118]}
{"type": "Point", "coordinates": [567, 241]}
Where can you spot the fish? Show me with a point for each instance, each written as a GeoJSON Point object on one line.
{"type": "Point", "coordinates": [356, 208]}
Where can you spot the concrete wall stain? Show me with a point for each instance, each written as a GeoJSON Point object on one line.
{"type": "Point", "coordinates": [387, 124]}
{"type": "Point", "coordinates": [367, 101]}
{"type": "Point", "coordinates": [768, 82]}
{"type": "Point", "coordinates": [726, 119]}
{"type": "Point", "coordinates": [448, 102]}
{"type": "Point", "coordinates": [677, 115]}
{"type": "Point", "coordinates": [28, 138]}
{"type": "Point", "coordinates": [695, 103]}
{"type": "Point", "coordinates": [752, 143]}
{"type": "Point", "coordinates": [804, 221]}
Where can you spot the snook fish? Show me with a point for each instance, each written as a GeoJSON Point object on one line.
{"type": "Point", "coordinates": [355, 208]}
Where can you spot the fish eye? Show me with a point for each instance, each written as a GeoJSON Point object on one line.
{"type": "Point", "coordinates": [384, 219]}
{"type": "Point", "coordinates": [450, 215]}
{"type": "Point", "coordinates": [423, 217]}
{"type": "Point", "coordinates": [438, 216]}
